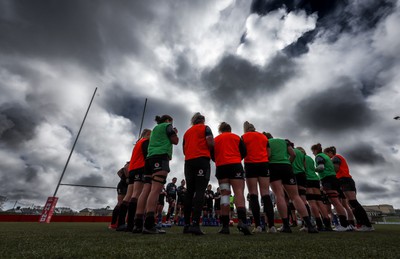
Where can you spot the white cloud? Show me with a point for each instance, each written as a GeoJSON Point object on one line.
{"type": "Point", "coordinates": [266, 35]}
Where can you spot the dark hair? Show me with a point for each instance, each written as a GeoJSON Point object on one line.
{"type": "Point", "coordinates": [290, 143]}
{"type": "Point", "coordinates": [197, 118]}
{"type": "Point", "coordinates": [317, 147]}
{"type": "Point", "coordinates": [224, 127]}
{"type": "Point", "coordinates": [248, 127]}
{"type": "Point", "coordinates": [163, 118]}
{"type": "Point", "coordinates": [330, 149]}
{"type": "Point", "coordinates": [268, 135]}
{"type": "Point", "coordinates": [302, 150]}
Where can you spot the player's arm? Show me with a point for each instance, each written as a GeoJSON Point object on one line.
{"type": "Point", "coordinates": [320, 161]}
{"type": "Point", "coordinates": [336, 163]}
{"type": "Point", "coordinates": [242, 148]}
{"type": "Point", "coordinates": [172, 135]}
{"type": "Point", "coordinates": [292, 154]}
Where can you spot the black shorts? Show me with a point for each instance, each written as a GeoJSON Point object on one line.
{"type": "Point", "coordinates": [283, 172]}
{"type": "Point", "coordinates": [210, 206]}
{"type": "Point", "coordinates": [180, 201]}
{"type": "Point", "coordinates": [122, 188]}
{"type": "Point", "coordinates": [324, 199]}
{"type": "Point", "coordinates": [330, 183]}
{"type": "Point", "coordinates": [157, 163]}
{"type": "Point", "coordinates": [313, 184]}
{"type": "Point", "coordinates": [217, 205]}
{"type": "Point", "coordinates": [341, 194]}
{"type": "Point", "coordinates": [136, 175]}
{"type": "Point", "coordinates": [255, 170]}
{"type": "Point", "coordinates": [347, 184]}
{"type": "Point", "coordinates": [198, 168]}
{"type": "Point", "coordinates": [301, 179]}
{"type": "Point", "coordinates": [230, 171]}
{"type": "Point", "coordinates": [171, 199]}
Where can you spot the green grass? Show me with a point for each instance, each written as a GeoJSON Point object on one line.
{"type": "Point", "coordinates": [94, 240]}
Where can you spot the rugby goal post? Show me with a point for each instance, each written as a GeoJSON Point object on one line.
{"type": "Point", "coordinates": [48, 210]}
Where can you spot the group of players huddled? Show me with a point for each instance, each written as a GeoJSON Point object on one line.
{"type": "Point", "coordinates": [294, 177]}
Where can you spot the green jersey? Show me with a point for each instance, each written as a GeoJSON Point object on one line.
{"type": "Point", "coordinates": [279, 153]}
{"type": "Point", "coordinates": [160, 143]}
{"type": "Point", "coordinates": [329, 169]}
{"type": "Point", "coordinates": [298, 163]}
{"type": "Point", "coordinates": [310, 169]}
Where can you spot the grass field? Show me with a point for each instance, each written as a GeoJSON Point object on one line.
{"type": "Point", "coordinates": [94, 240]}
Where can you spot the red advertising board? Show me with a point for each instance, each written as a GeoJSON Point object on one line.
{"type": "Point", "coordinates": [48, 210]}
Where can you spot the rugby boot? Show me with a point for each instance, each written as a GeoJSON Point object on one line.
{"type": "Point", "coordinates": [112, 226]}
{"type": "Point", "coordinates": [137, 230]}
{"type": "Point", "coordinates": [224, 230]}
{"type": "Point", "coordinates": [312, 230]}
{"type": "Point", "coordinates": [153, 230]}
{"type": "Point", "coordinates": [243, 228]}
{"type": "Point", "coordinates": [195, 230]}
{"type": "Point", "coordinates": [121, 228]}
{"type": "Point", "coordinates": [186, 229]}
{"type": "Point", "coordinates": [285, 229]}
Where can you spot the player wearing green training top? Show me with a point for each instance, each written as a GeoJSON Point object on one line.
{"type": "Point", "coordinates": [299, 171]}
{"type": "Point", "coordinates": [159, 154]}
{"type": "Point", "coordinates": [313, 195]}
{"type": "Point", "coordinates": [330, 184]}
{"type": "Point", "coordinates": [282, 178]}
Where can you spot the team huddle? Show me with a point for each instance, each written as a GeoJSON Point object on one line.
{"type": "Point", "coordinates": [294, 177]}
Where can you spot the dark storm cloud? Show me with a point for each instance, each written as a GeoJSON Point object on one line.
{"type": "Point", "coordinates": [371, 189]}
{"type": "Point", "coordinates": [70, 30]}
{"type": "Point", "coordinates": [234, 80]}
{"type": "Point", "coordinates": [53, 29]}
{"type": "Point", "coordinates": [21, 182]}
{"type": "Point", "coordinates": [121, 102]}
{"type": "Point", "coordinates": [17, 124]}
{"type": "Point", "coordinates": [20, 193]}
{"type": "Point", "coordinates": [184, 73]}
{"type": "Point", "coordinates": [363, 153]}
{"type": "Point", "coordinates": [335, 109]}
{"type": "Point", "coordinates": [31, 173]}
{"type": "Point", "coordinates": [91, 179]}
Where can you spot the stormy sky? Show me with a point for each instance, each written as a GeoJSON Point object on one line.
{"type": "Point", "coordinates": [307, 70]}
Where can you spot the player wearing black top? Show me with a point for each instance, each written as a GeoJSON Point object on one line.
{"type": "Point", "coordinates": [122, 188]}
{"type": "Point", "coordinates": [160, 205]}
{"type": "Point", "coordinates": [217, 204]}
{"type": "Point", "coordinates": [180, 191]}
{"type": "Point", "coordinates": [209, 200]}
{"type": "Point", "coordinates": [171, 198]}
